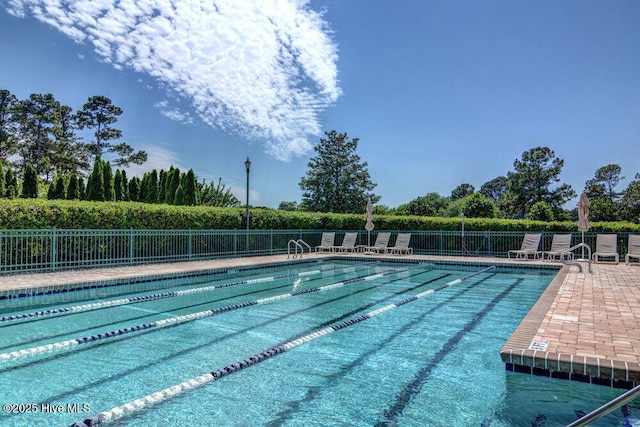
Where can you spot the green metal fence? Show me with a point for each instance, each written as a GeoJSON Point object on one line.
{"type": "Point", "coordinates": [54, 249]}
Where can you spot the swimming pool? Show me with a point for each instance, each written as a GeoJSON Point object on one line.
{"type": "Point", "coordinates": [333, 342]}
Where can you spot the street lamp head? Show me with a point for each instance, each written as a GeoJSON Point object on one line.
{"type": "Point", "coordinates": [247, 164]}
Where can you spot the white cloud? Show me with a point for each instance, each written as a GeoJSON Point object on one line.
{"type": "Point", "coordinates": [157, 158]}
{"type": "Point", "coordinates": [262, 68]}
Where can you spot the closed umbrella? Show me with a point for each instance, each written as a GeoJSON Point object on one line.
{"type": "Point", "coordinates": [583, 216]}
{"type": "Point", "coordinates": [369, 225]}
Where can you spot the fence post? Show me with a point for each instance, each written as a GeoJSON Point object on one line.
{"type": "Point", "coordinates": [131, 245]}
{"type": "Point", "coordinates": [235, 242]}
{"type": "Point", "coordinates": [190, 244]}
{"type": "Point", "coordinates": [54, 245]}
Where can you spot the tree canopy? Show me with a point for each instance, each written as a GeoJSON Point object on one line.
{"type": "Point", "coordinates": [535, 172]}
{"type": "Point", "coordinates": [337, 180]}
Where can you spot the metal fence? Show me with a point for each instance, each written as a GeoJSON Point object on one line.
{"type": "Point", "coordinates": [54, 249]}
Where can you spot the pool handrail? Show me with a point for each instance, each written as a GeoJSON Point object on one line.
{"type": "Point", "coordinates": [574, 261]}
{"type": "Point", "coordinates": [297, 244]}
{"type": "Point", "coordinates": [603, 410]}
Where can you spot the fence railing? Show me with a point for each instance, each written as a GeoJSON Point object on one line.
{"type": "Point", "coordinates": [55, 249]}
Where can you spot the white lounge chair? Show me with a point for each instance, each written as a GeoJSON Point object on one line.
{"type": "Point", "coordinates": [530, 244]}
{"type": "Point", "coordinates": [402, 244]}
{"type": "Point", "coordinates": [348, 243]}
{"type": "Point", "coordinates": [634, 248]}
{"type": "Point", "coordinates": [560, 245]}
{"type": "Point", "coordinates": [607, 247]}
{"type": "Point", "coordinates": [327, 243]}
{"type": "Point", "coordinates": [380, 246]}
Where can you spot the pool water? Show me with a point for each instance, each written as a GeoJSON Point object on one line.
{"type": "Point", "coordinates": [432, 361]}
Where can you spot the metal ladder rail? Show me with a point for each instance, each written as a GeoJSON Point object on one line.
{"type": "Point", "coordinates": [297, 244]}
{"type": "Point", "coordinates": [574, 262]}
{"type": "Point", "coordinates": [303, 243]}
{"type": "Point", "coordinates": [612, 405]}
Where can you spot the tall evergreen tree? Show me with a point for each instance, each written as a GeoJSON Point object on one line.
{"type": "Point", "coordinates": [8, 103]}
{"type": "Point", "coordinates": [534, 174]}
{"type": "Point", "coordinates": [337, 181]}
{"type": "Point", "coordinates": [150, 184]}
{"type": "Point", "coordinates": [73, 189]}
{"type": "Point", "coordinates": [107, 176]}
{"type": "Point", "coordinates": [82, 189]}
{"type": "Point", "coordinates": [3, 188]}
{"type": "Point", "coordinates": [95, 184]}
{"type": "Point", "coordinates": [11, 183]}
{"type": "Point", "coordinates": [100, 114]}
{"type": "Point", "coordinates": [191, 196]}
{"type": "Point", "coordinates": [118, 187]}
{"type": "Point", "coordinates": [173, 181]}
{"type": "Point", "coordinates": [125, 186]}
{"type": "Point", "coordinates": [162, 186]}
{"type": "Point", "coordinates": [30, 183]}
{"type": "Point", "coordinates": [134, 189]}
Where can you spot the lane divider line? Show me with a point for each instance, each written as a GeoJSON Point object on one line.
{"type": "Point", "coordinates": [32, 351]}
{"type": "Point", "coordinates": [151, 297]}
{"type": "Point", "coordinates": [137, 404]}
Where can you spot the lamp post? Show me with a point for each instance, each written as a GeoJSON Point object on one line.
{"type": "Point", "coordinates": [247, 165]}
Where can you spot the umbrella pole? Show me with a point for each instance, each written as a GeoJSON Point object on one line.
{"type": "Point", "coordinates": [583, 244]}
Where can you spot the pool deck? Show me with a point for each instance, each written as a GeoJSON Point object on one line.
{"type": "Point", "coordinates": [584, 327]}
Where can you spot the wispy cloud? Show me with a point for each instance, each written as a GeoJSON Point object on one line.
{"type": "Point", "coordinates": [157, 158]}
{"type": "Point", "coordinates": [262, 68]}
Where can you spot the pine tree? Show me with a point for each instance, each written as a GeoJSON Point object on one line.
{"type": "Point", "coordinates": [3, 189]}
{"type": "Point", "coordinates": [11, 182]}
{"type": "Point", "coordinates": [134, 189]}
{"type": "Point", "coordinates": [95, 184]}
{"type": "Point", "coordinates": [151, 187]}
{"type": "Point", "coordinates": [337, 181]}
{"type": "Point", "coordinates": [125, 186]}
{"type": "Point", "coordinates": [190, 186]}
{"type": "Point", "coordinates": [73, 190]}
{"type": "Point", "coordinates": [179, 200]}
{"type": "Point", "coordinates": [30, 183]}
{"type": "Point", "coordinates": [173, 181]}
{"type": "Point", "coordinates": [59, 190]}
{"type": "Point", "coordinates": [107, 176]}
{"type": "Point", "coordinates": [82, 190]}
{"type": "Point", "coordinates": [118, 188]}
{"type": "Point", "coordinates": [162, 186]}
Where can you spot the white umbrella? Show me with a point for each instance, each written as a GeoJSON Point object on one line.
{"type": "Point", "coordinates": [583, 216]}
{"type": "Point", "coordinates": [369, 225]}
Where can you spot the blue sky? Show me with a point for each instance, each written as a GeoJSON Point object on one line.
{"type": "Point", "coordinates": [439, 93]}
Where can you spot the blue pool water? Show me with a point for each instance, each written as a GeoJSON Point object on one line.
{"type": "Point", "coordinates": [431, 361]}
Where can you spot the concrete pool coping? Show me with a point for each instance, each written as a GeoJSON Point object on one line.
{"type": "Point", "coordinates": [585, 326]}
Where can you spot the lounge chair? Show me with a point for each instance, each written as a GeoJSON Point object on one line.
{"type": "Point", "coordinates": [560, 245]}
{"type": "Point", "coordinates": [606, 246]}
{"type": "Point", "coordinates": [402, 244]}
{"type": "Point", "coordinates": [327, 243]}
{"type": "Point", "coordinates": [382, 240]}
{"type": "Point", "coordinates": [634, 248]}
{"type": "Point", "coordinates": [348, 243]}
{"type": "Point", "coordinates": [530, 244]}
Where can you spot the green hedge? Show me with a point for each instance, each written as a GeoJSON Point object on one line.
{"type": "Point", "coordinates": [43, 214]}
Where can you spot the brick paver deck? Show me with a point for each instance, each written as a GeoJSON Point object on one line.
{"type": "Point", "coordinates": [585, 326]}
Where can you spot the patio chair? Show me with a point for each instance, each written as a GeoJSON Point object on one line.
{"type": "Point", "coordinates": [380, 246]}
{"type": "Point", "coordinates": [560, 245]}
{"type": "Point", "coordinates": [634, 248]}
{"type": "Point", "coordinates": [607, 247]}
{"type": "Point", "coordinates": [530, 244]}
{"type": "Point", "coordinates": [402, 244]}
{"type": "Point", "coordinates": [327, 243]}
{"type": "Point", "coordinates": [348, 243]}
